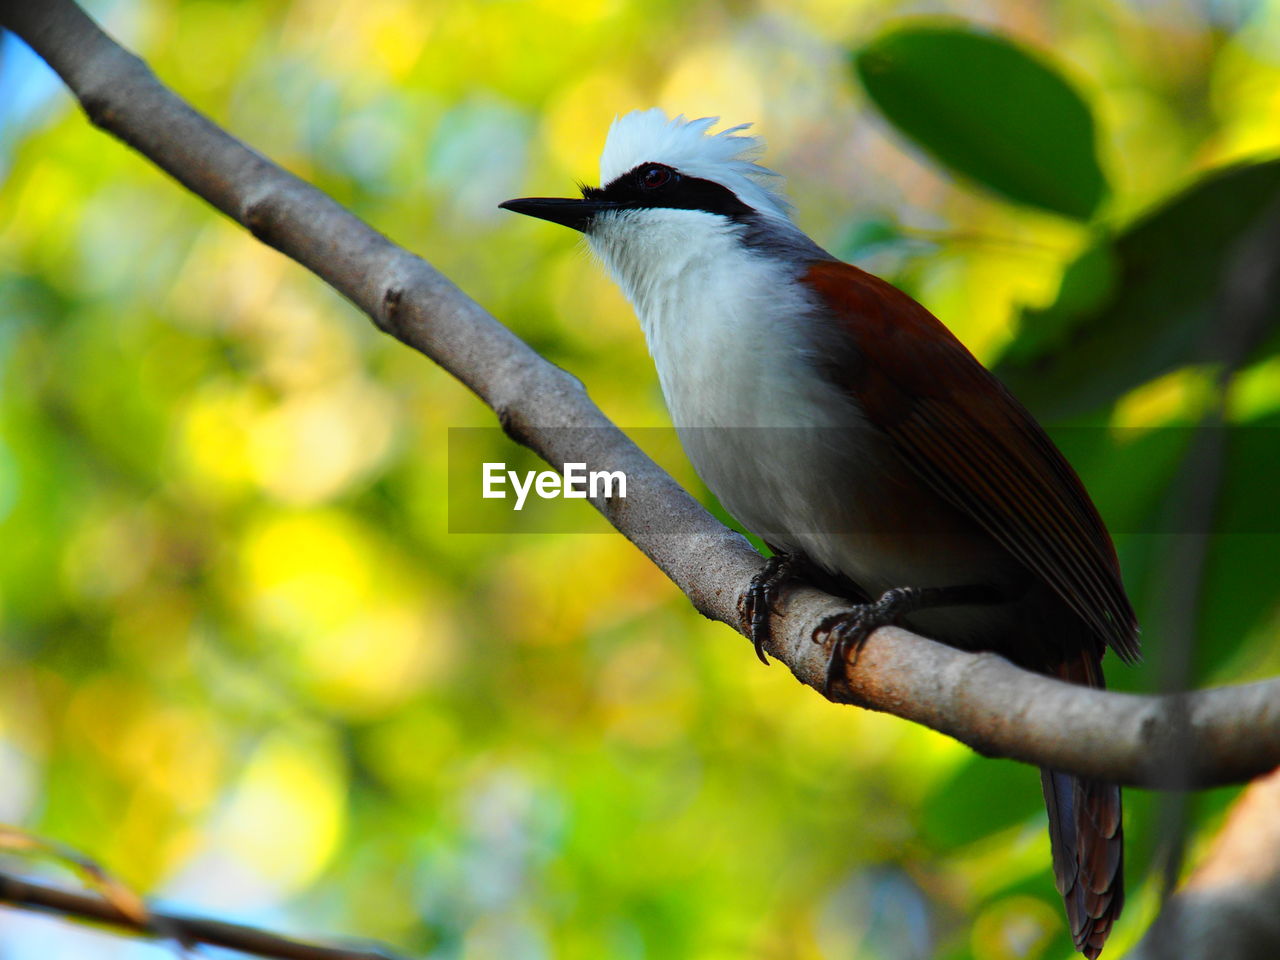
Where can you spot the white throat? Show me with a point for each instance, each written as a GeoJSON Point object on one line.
{"type": "Point", "coordinates": [721, 320]}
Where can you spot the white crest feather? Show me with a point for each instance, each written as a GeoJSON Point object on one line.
{"type": "Point", "coordinates": [647, 136]}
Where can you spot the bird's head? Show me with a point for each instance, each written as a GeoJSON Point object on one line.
{"type": "Point", "coordinates": [651, 163]}
{"type": "Point", "coordinates": [669, 189]}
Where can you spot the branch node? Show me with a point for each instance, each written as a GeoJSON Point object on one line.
{"type": "Point", "coordinates": [509, 420]}
{"type": "Point", "coordinates": [118, 69]}
{"type": "Point", "coordinates": [99, 109]}
{"type": "Point", "coordinates": [259, 218]}
{"type": "Point", "coordinates": [389, 319]}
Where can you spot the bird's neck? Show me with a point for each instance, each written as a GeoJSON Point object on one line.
{"type": "Point", "coordinates": [665, 261]}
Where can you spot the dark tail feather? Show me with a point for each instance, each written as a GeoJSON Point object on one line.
{"type": "Point", "coordinates": [1088, 854]}
{"type": "Point", "coordinates": [1087, 837]}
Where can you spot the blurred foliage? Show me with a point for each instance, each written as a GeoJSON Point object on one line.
{"type": "Point", "coordinates": [991, 111]}
{"type": "Point", "coordinates": [245, 666]}
{"type": "Point", "coordinates": [1148, 299]}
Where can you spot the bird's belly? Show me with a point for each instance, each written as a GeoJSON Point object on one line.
{"type": "Point", "coordinates": [843, 498]}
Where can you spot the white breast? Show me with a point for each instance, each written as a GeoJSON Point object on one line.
{"type": "Point", "coordinates": [730, 333]}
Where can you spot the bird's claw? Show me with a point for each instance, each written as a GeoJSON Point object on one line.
{"type": "Point", "coordinates": [847, 631]}
{"type": "Point", "coordinates": [761, 597]}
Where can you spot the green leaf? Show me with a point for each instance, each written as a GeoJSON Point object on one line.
{"type": "Point", "coordinates": [990, 111]}
{"type": "Point", "coordinates": [1146, 306]}
{"type": "Point", "coordinates": [1239, 593]}
{"type": "Point", "coordinates": [981, 797]}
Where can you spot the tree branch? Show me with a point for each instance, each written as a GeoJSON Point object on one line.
{"type": "Point", "coordinates": [188, 931]}
{"type": "Point", "coordinates": [980, 699]}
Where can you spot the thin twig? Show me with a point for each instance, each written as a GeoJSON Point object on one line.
{"type": "Point", "coordinates": [189, 931]}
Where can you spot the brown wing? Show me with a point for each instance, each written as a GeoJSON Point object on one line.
{"type": "Point", "coordinates": [975, 444]}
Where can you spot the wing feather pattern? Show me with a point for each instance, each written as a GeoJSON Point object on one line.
{"type": "Point", "coordinates": [975, 444]}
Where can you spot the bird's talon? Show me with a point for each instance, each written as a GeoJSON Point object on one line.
{"type": "Point", "coordinates": [845, 633]}
{"type": "Point", "coordinates": [848, 632]}
{"type": "Point", "coordinates": [760, 599]}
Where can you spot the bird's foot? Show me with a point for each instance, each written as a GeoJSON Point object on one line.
{"type": "Point", "coordinates": [756, 605]}
{"type": "Point", "coordinates": [848, 630]}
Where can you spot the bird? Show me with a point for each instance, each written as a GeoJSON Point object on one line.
{"type": "Point", "coordinates": [836, 418]}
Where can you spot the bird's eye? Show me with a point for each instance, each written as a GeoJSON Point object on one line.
{"type": "Point", "coordinates": [655, 176]}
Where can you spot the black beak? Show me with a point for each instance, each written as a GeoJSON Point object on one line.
{"type": "Point", "coordinates": [577, 214]}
